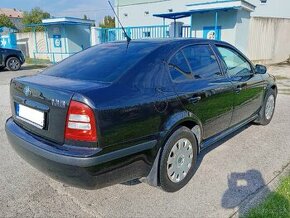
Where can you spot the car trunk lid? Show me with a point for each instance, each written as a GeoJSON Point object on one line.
{"type": "Point", "coordinates": [40, 103]}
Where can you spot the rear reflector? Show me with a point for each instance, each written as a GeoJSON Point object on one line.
{"type": "Point", "coordinates": [80, 124]}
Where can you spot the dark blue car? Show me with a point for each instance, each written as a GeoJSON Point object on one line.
{"type": "Point", "coordinates": [111, 114]}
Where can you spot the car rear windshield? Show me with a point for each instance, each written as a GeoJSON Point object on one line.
{"type": "Point", "coordinates": [101, 63]}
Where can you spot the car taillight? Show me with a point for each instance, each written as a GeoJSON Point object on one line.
{"type": "Point", "coordinates": [80, 123]}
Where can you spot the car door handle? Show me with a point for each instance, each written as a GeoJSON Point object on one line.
{"type": "Point", "coordinates": [194, 100]}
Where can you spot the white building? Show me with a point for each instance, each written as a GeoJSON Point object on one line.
{"type": "Point", "coordinates": [260, 28]}
{"type": "Point", "coordinates": [140, 12]}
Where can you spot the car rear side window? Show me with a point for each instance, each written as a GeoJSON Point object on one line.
{"type": "Point", "coordinates": [102, 63]}
{"type": "Point", "coordinates": [202, 61]}
{"type": "Point", "coordinates": [179, 69]}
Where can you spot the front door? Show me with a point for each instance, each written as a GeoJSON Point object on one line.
{"type": "Point", "coordinates": [202, 87]}
{"type": "Point", "coordinates": [249, 88]}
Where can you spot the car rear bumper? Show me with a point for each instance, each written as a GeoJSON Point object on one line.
{"type": "Point", "coordinates": [90, 170]}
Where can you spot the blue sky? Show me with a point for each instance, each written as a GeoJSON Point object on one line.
{"type": "Point", "coordinates": [94, 9]}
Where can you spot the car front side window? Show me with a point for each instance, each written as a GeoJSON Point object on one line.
{"type": "Point", "coordinates": [235, 63]}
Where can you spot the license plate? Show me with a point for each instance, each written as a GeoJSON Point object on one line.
{"type": "Point", "coordinates": [30, 115]}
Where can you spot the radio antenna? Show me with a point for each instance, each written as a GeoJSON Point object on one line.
{"type": "Point", "coordinates": [124, 31]}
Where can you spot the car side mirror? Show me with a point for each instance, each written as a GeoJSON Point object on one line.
{"type": "Point", "coordinates": [260, 69]}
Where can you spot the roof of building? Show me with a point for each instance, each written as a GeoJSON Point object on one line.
{"type": "Point", "coordinates": [68, 20]}
{"type": "Point", "coordinates": [222, 5]}
{"type": "Point", "coordinates": [11, 12]}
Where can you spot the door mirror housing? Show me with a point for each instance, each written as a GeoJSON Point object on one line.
{"type": "Point", "coordinates": [260, 69]}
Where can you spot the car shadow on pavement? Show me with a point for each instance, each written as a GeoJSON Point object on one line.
{"type": "Point", "coordinates": [241, 186]}
{"type": "Point", "coordinates": [247, 190]}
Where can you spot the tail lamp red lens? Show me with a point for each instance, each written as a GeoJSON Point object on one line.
{"type": "Point", "coordinates": [80, 123]}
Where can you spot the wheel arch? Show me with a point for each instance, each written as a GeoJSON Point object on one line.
{"type": "Point", "coordinates": [274, 87]}
{"type": "Point", "coordinates": [179, 119]}
{"type": "Point", "coordinates": [174, 122]}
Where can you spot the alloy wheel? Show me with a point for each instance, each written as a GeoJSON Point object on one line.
{"type": "Point", "coordinates": [14, 64]}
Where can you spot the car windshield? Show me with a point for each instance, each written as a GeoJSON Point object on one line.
{"type": "Point", "coordinates": [101, 63]}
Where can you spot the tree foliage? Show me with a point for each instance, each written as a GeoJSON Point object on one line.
{"type": "Point", "coordinates": [34, 16]}
{"type": "Point", "coordinates": [108, 22]}
{"type": "Point", "coordinates": [6, 22]}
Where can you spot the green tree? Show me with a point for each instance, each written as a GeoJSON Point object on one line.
{"type": "Point", "coordinates": [108, 22]}
{"type": "Point", "coordinates": [6, 22]}
{"type": "Point", "coordinates": [34, 16]}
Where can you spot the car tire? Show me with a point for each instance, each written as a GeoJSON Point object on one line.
{"type": "Point", "coordinates": [178, 160]}
{"type": "Point", "coordinates": [13, 64]}
{"type": "Point", "coordinates": [268, 108]}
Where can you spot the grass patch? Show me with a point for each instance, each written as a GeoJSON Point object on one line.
{"type": "Point", "coordinates": [37, 61]}
{"type": "Point", "coordinates": [277, 204]}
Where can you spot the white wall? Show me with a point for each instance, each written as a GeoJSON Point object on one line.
{"type": "Point", "coordinates": [242, 30]}
{"type": "Point", "coordinates": [78, 38]}
{"type": "Point", "coordinates": [27, 39]}
{"type": "Point", "coordinates": [273, 8]}
{"type": "Point", "coordinates": [269, 40]}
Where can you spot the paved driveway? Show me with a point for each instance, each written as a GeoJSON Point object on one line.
{"type": "Point", "coordinates": [229, 173]}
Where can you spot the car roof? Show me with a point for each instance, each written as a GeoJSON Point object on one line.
{"type": "Point", "coordinates": [169, 45]}
{"type": "Point", "coordinates": [166, 41]}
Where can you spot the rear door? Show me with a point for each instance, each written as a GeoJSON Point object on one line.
{"type": "Point", "coordinates": [249, 87]}
{"type": "Point", "coordinates": [202, 87]}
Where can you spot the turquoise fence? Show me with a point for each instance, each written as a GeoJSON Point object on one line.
{"type": "Point", "coordinates": [186, 32]}
{"type": "Point", "coordinates": [142, 32]}
{"type": "Point", "coordinates": [138, 32]}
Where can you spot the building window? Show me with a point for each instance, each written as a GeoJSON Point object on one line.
{"type": "Point", "coordinates": [146, 13]}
